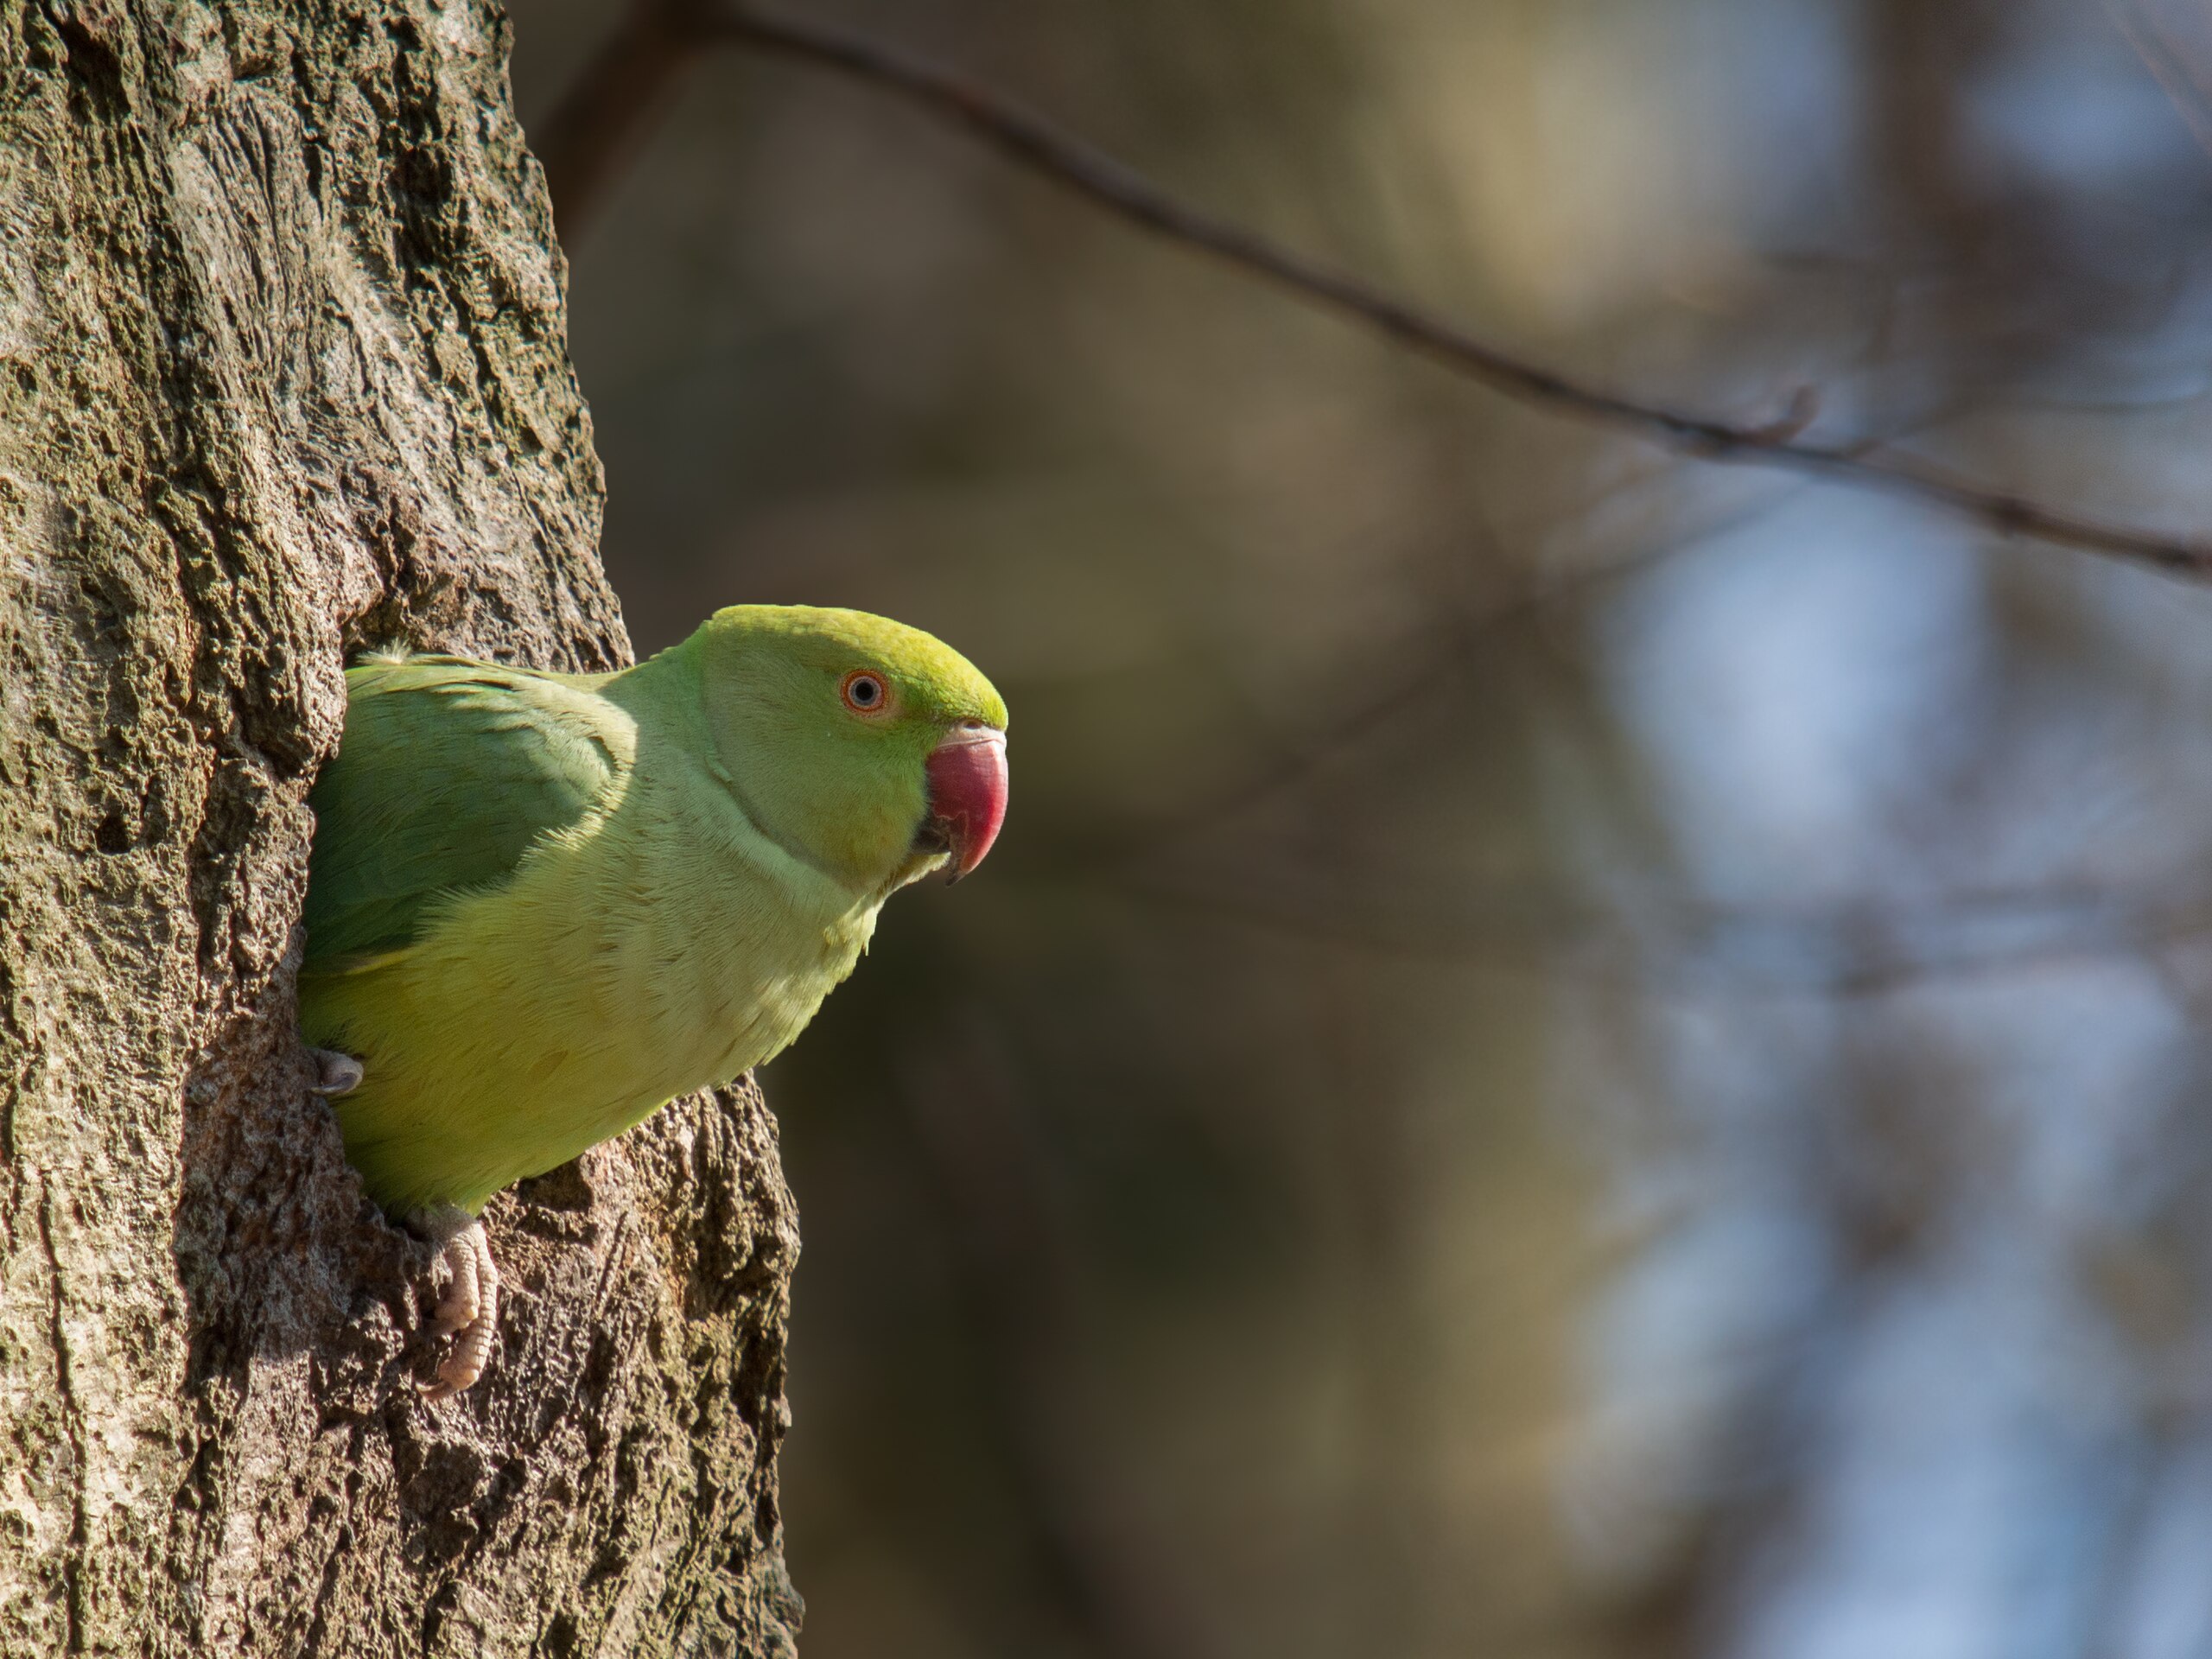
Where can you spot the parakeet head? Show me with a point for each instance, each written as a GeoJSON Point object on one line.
{"type": "Point", "coordinates": [868, 749]}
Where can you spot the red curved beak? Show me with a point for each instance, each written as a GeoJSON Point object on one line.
{"type": "Point", "coordinates": [967, 777]}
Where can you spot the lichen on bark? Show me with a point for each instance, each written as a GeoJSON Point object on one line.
{"type": "Point", "coordinates": [283, 374]}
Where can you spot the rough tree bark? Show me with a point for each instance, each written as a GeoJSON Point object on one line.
{"type": "Point", "coordinates": [283, 373]}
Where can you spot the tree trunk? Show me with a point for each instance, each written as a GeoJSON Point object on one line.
{"type": "Point", "coordinates": [283, 374]}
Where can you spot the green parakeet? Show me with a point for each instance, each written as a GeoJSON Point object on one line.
{"type": "Point", "coordinates": [540, 907]}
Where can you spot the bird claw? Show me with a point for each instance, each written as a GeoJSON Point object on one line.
{"type": "Point", "coordinates": [468, 1309]}
{"type": "Point", "coordinates": [335, 1073]}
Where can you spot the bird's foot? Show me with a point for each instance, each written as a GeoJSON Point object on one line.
{"type": "Point", "coordinates": [468, 1310]}
{"type": "Point", "coordinates": [335, 1073]}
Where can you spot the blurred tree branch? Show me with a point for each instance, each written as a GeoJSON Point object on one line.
{"type": "Point", "coordinates": [1461, 636]}
{"type": "Point", "coordinates": [606, 112]}
{"type": "Point", "coordinates": [604, 117]}
{"type": "Point", "coordinates": [1022, 1292]}
{"type": "Point", "coordinates": [2158, 32]}
{"type": "Point", "coordinates": [1669, 945]}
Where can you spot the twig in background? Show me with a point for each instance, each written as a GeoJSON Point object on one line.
{"type": "Point", "coordinates": [2182, 74]}
{"type": "Point", "coordinates": [1682, 948]}
{"type": "Point", "coordinates": [602, 117]}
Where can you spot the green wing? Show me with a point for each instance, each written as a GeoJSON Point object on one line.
{"type": "Point", "coordinates": [448, 771]}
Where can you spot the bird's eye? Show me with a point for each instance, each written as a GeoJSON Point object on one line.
{"type": "Point", "coordinates": [865, 693]}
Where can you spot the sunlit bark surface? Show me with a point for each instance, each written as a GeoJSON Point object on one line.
{"type": "Point", "coordinates": [283, 373]}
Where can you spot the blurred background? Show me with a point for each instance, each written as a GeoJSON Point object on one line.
{"type": "Point", "coordinates": [1569, 1052]}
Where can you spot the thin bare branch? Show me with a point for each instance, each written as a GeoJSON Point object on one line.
{"type": "Point", "coordinates": [2181, 74]}
{"type": "Point", "coordinates": [1678, 946]}
{"type": "Point", "coordinates": [606, 113]}
{"type": "Point", "coordinates": [1032, 141]}
{"type": "Point", "coordinates": [651, 46]}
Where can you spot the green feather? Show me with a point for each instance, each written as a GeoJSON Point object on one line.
{"type": "Point", "coordinates": [449, 769]}
{"type": "Point", "coordinates": [542, 905]}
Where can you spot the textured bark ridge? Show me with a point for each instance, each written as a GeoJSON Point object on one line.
{"type": "Point", "coordinates": [283, 372]}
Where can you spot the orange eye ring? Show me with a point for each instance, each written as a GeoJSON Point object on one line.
{"type": "Point", "coordinates": [866, 692]}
